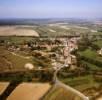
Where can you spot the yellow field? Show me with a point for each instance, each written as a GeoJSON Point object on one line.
{"type": "Point", "coordinates": [3, 86]}
{"type": "Point", "coordinates": [29, 91]}
{"type": "Point", "coordinates": [100, 98]}
{"type": "Point", "coordinates": [17, 30]}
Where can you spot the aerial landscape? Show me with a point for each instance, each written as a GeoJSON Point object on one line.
{"type": "Point", "coordinates": [51, 54]}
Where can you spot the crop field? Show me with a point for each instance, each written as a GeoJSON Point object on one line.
{"type": "Point", "coordinates": [9, 61]}
{"type": "Point", "coordinates": [17, 31]}
{"type": "Point", "coordinates": [99, 43]}
{"type": "Point", "coordinates": [91, 59]}
{"type": "Point", "coordinates": [29, 91]}
{"type": "Point", "coordinates": [60, 30]}
{"type": "Point", "coordinates": [3, 86]}
{"type": "Point", "coordinates": [85, 84]}
{"type": "Point", "coordinates": [91, 66]}
{"type": "Point", "coordinates": [91, 54]}
{"type": "Point", "coordinates": [44, 30]}
{"type": "Point", "coordinates": [60, 93]}
{"type": "Point", "coordinates": [16, 39]}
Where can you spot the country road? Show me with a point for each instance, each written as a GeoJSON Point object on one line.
{"type": "Point", "coordinates": [77, 95]}
{"type": "Point", "coordinates": [68, 88]}
{"type": "Point", "coordinates": [58, 82]}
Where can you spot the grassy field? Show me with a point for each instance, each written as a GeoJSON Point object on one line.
{"type": "Point", "coordinates": [91, 54]}
{"type": "Point", "coordinates": [60, 30]}
{"type": "Point", "coordinates": [99, 43]}
{"type": "Point", "coordinates": [44, 30]}
{"type": "Point", "coordinates": [8, 59]}
{"type": "Point", "coordinates": [85, 84]}
{"type": "Point", "coordinates": [90, 65]}
{"type": "Point", "coordinates": [91, 60]}
{"type": "Point", "coordinates": [16, 39]}
{"type": "Point", "coordinates": [78, 80]}
{"type": "Point", "coordinates": [18, 62]}
{"type": "Point", "coordinates": [60, 93]}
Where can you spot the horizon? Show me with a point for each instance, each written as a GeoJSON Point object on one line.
{"type": "Point", "coordinates": [50, 9]}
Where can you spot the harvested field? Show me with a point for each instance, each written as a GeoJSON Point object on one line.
{"type": "Point", "coordinates": [52, 30]}
{"type": "Point", "coordinates": [17, 30]}
{"type": "Point", "coordinates": [3, 86]}
{"type": "Point", "coordinates": [100, 98]}
{"type": "Point", "coordinates": [29, 91]}
{"type": "Point", "coordinates": [65, 27]}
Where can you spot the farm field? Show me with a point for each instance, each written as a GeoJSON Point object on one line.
{"type": "Point", "coordinates": [60, 93]}
{"type": "Point", "coordinates": [100, 98]}
{"type": "Point", "coordinates": [58, 29]}
{"type": "Point", "coordinates": [91, 54]}
{"type": "Point", "coordinates": [85, 84]}
{"type": "Point", "coordinates": [29, 91]}
{"type": "Point", "coordinates": [11, 61]}
{"type": "Point", "coordinates": [3, 86]}
{"type": "Point", "coordinates": [16, 39]}
{"type": "Point", "coordinates": [45, 30]}
{"type": "Point", "coordinates": [17, 31]}
{"type": "Point", "coordinates": [99, 43]}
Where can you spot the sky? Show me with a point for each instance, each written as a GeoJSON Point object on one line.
{"type": "Point", "coordinates": [50, 8]}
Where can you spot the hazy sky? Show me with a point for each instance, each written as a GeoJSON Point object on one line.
{"type": "Point", "coordinates": [50, 8]}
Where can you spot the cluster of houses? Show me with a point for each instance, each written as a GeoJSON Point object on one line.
{"type": "Point", "coordinates": [70, 45]}
{"type": "Point", "coordinates": [67, 58]}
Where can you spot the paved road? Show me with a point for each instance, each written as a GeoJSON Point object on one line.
{"type": "Point", "coordinates": [70, 89]}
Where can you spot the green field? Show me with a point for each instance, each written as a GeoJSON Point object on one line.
{"type": "Point", "coordinates": [90, 65]}
{"type": "Point", "coordinates": [60, 30]}
{"type": "Point", "coordinates": [16, 39]}
{"type": "Point", "coordinates": [91, 54]}
{"type": "Point", "coordinates": [84, 83]}
{"type": "Point", "coordinates": [16, 61]}
{"type": "Point", "coordinates": [99, 43]}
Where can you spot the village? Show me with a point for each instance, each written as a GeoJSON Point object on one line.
{"type": "Point", "coordinates": [57, 49]}
{"type": "Point", "coordinates": [63, 61]}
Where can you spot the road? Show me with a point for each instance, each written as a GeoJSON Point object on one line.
{"type": "Point", "coordinates": [59, 83]}
{"type": "Point", "coordinates": [70, 89]}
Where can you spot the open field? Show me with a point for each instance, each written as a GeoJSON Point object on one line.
{"type": "Point", "coordinates": [10, 61]}
{"type": "Point", "coordinates": [90, 65]}
{"type": "Point", "coordinates": [99, 43]}
{"type": "Point", "coordinates": [17, 31]}
{"type": "Point", "coordinates": [45, 30]}
{"type": "Point", "coordinates": [29, 91]}
{"type": "Point", "coordinates": [85, 84]}
{"type": "Point", "coordinates": [16, 39]}
{"type": "Point", "coordinates": [60, 93]}
{"type": "Point", "coordinates": [91, 59]}
{"type": "Point", "coordinates": [3, 86]}
{"type": "Point", "coordinates": [100, 98]}
{"type": "Point", "coordinates": [91, 54]}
